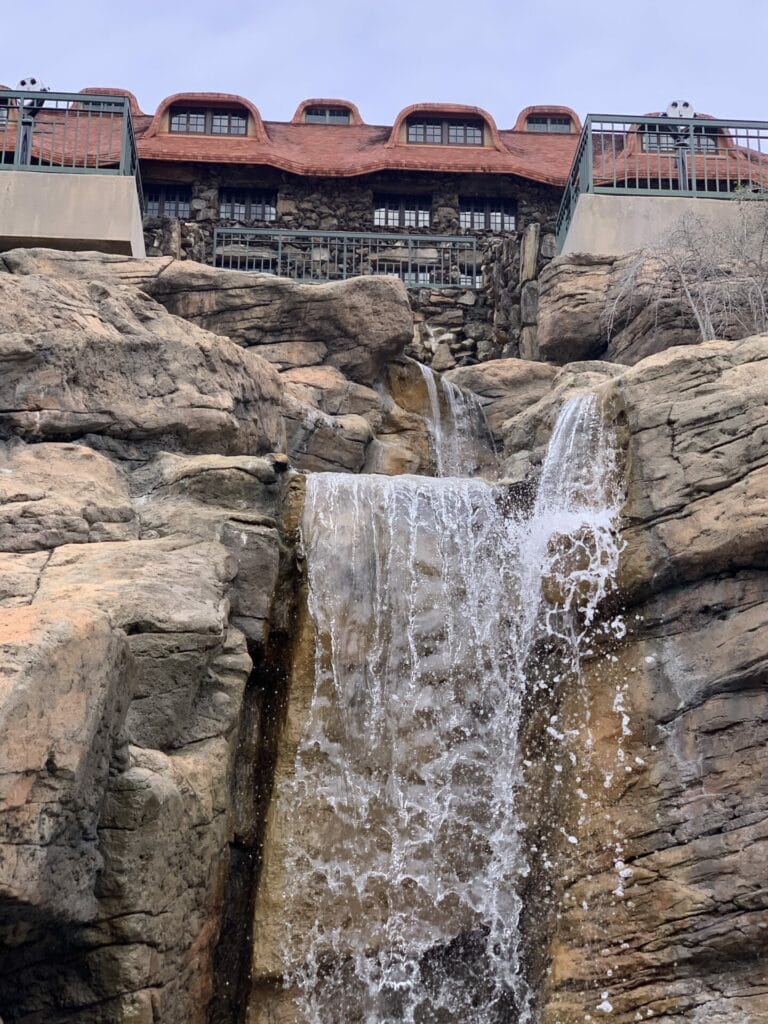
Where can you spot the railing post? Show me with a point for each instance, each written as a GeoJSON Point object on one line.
{"type": "Point", "coordinates": [125, 141]}
{"type": "Point", "coordinates": [19, 135]}
{"type": "Point", "coordinates": [588, 156]}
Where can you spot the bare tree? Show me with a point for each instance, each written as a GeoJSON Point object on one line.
{"type": "Point", "coordinates": [718, 272]}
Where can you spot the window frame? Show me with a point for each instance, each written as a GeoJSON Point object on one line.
{"type": "Point", "coordinates": [402, 206]}
{"type": "Point", "coordinates": [443, 127]}
{"type": "Point", "coordinates": [209, 117]}
{"type": "Point", "coordinates": [487, 207]}
{"type": "Point", "coordinates": [258, 203]}
{"type": "Point", "coordinates": [545, 124]}
{"type": "Point", "coordinates": [312, 115]}
{"type": "Point", "coordinates": [163, 189]}
{"type": "Point", "coordinates": [705, 142]}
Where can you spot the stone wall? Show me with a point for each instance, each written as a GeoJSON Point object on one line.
{"type": "Point", "coordinates": [454, 327]}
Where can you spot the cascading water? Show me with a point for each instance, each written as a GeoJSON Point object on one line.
{"type": "Point", "coordinates": [427, 598]}
{"type": "Point", "coordinates": [456, 438]}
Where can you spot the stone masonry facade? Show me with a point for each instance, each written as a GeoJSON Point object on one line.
{"type": "Point", "coordinates": [454, 326]}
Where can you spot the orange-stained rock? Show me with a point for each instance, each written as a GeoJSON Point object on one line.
{"type": "Point", "coordinates": [65, 686]}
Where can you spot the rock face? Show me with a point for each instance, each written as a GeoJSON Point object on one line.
{"type": "Point", "coordinates": [145, 570]}
{"type": "Point", "coordinates": [81, 359]}
{"type": "Point", "coordinates": [302, 370]}
{"type": "Point", "coordinates": [620, 309]}
{"type": "Point", "coordinates": [151, 608]}
{"type": "Point", "coordinates": [663, 904]}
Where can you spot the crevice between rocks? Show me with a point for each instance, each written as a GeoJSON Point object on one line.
{"type": "Point", "coordinates": [253, 776]}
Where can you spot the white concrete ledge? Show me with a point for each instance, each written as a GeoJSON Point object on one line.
{"type": "Point", "coordinates": [61, 210]}
{"type": "Point", "coordinates": [616, 225]}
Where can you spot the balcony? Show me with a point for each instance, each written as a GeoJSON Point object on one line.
{"type": "Point", "coordinates": [632, 178]}
{"type": "Point", "coordinates": [315, 257]}
{"type": "Point", "coordinates": [69, 174]}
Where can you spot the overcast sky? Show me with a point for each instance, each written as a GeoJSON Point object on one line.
{"type": "Point", "coordinates": [616, 57]}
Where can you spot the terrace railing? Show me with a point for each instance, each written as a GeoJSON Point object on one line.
{"type": "Point", "coordinates": [622, 155]}
{"type": "Point", "coordinates": [67, 132]}
{"type": "Point", "coordinates": [420, 261]}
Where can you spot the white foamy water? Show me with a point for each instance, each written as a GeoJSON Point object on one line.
{"type": "Point", "coordinates": [456, 439]}
{"type": "Point", "coordinates": [427, 597]}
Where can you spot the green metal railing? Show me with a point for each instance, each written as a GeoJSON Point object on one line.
{"type": "Point", "coordinates": [67, 132]}
{"type": "Point", "coordinates": [420, 261]}
{"type": "Point", "coordinates": [621, 155]}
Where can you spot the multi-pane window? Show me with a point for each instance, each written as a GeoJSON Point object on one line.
{"type": "Point", "coordinates": [446, 133]}
{"type": "Point", "coordinates": [658, 138]}
{"type": "Point", "coordinates": [425, 131]}
{"type": "Point", "coordinates": [167, 200]}
{"type": "Point", "coordinates": [478, 214]}
{"type": "Point", "coordinates": [549, 123]}
{"type": "Point", "coordinates": [327, 115]}
{"type": "Point", "coordinates": [208, 122]}
{"type": "Point", "coordinates": [190, 122]}
{"type": "Point", "coordinates": [227, 123]}
{"type": "Point", "coordinates": [246, 204]}
{"type": "Point", "coordinates": [401, 211]}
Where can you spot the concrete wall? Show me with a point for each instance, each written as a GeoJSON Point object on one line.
{"type": "Point", "coordinates": [616, 225]}
{"type": "Point", "coordinates": [98, 212]}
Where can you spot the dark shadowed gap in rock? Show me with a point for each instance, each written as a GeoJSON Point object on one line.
{"type": "Point", "coordinates": [260, 724]}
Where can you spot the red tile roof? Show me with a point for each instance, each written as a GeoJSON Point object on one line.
{"type": "Point", "coordinates": [356, 149]}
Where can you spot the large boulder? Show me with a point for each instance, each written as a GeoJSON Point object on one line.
{"type": "Point", "coordinates": [357, 325]}
{"type": "Point", "coordinates": [363, 323]}
{"type": "Point", "coordinates": [620, 309]}
{"type": "Point", "coordinates": [85, 359]}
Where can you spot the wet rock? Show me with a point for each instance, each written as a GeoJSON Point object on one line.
{"type": "Point", "coordinates": [661, 911]}
{"type": "Point", "coordinates": [525, 435]}
{"type": "Point", "coordinates": [505, 387]}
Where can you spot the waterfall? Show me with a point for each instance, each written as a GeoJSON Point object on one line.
{"type": "Point", "coordinates": [455, 439]}
{"type": "Point", "coordinates": [401, 831]}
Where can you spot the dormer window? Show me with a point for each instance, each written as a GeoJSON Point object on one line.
{"type": "Point", "coordinates": [444, 132]}
{"type": "Point", "coordinates": [208, 122]}
{"type": "Point", "coordinates": [327, 115]}
{"type": "Point", "coordinates": [662, 138]}
{"type": "Point", "coordinates": [549, 123]}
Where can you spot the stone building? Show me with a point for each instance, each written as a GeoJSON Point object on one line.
{"type": "Point", "coordinates": [474, 206]}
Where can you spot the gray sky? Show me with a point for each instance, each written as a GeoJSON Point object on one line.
{"type": "Point", "coordinates": [616, 57]}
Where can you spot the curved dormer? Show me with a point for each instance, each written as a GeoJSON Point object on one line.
{"type": "Point", "coordinates": [208, 113]}
{"type": "Point", "coordinates": [665, 138]}
{"type": "Point", "coordinates": [444, 124]}
{"type": "Point", "coordinates": [329, 112]}
{"type": "Point", "coordinates": [133, 103]}
{"type": "Point", "coordinates": [548, 120]}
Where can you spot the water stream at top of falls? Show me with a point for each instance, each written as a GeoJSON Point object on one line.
{"type": "Point", "coordinates": [455, 439]}
{"type": "Point", "coordinates": [402, 832]}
